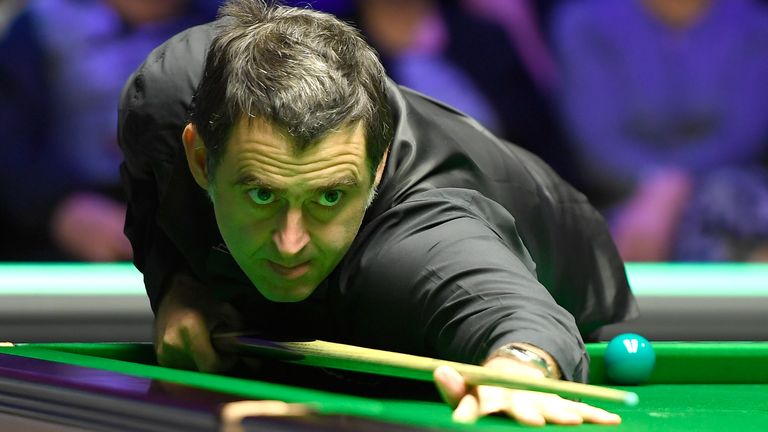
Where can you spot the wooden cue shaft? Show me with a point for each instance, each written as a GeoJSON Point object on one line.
{"type": "Point", "coordinates": [359, 359]}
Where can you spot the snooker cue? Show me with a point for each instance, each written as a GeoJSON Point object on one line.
{"type": "Point", "coordinates": [353, 358]}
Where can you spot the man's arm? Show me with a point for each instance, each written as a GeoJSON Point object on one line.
{"type": "Point", "coordinates": [465, 289]}
{"type": "Point", "coordinates": [463, 286]}
{"type": "Point", "coordinates": [184, 309]}
{"type": "Point", "coordinates": [151, 117]}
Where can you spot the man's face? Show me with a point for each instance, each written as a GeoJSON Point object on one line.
{"type": "Point", "coordinates": [288, 218]}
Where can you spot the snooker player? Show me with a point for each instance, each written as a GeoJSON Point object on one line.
{"type": "Point", "coordinates": [307, 194]}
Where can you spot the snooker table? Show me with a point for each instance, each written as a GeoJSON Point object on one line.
{"type": "Point", "coordinates": [73, 302]}
{"type": "Point", "coordinates": [701, 386]}
{"type": "Point", "coordinates": [114, 386]}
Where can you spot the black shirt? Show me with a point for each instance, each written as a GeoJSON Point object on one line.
{"type": "Point", "coordinates": [471, 242]}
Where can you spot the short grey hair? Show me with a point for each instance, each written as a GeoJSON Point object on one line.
{"type": "Point", "coordinates": [302, 70]}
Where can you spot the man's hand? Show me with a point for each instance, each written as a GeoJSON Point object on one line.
{"type": "Point", "coordinates": [184, 320]}
{"type": "Point", "coordinates": [527, 407]}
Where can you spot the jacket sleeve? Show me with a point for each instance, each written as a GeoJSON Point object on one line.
{"type": "Point", "coordinates": [437, 277]}
{"type": "Point", "coordinates": [152, 114]}
{"type": "Point", "coordinates": [575, 256]}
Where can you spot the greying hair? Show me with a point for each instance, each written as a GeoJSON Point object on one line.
{"type": "Point", "coordinates": [302, 70]}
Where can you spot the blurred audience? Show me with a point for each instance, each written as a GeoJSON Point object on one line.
{"type": "Point", "coordinates": [663, 101]}
{"type": "Point", "coordinates": [727, 220]}
{"type": "Point", "coordinates": [63, 66]}
{"type": "Point", "coordinates": [414, 37]}
{"type": "Point", "coordinates": [343, 9]}
{"type": "Point", "coordinates": [659, 95]}
{"type": "Point", "coordinates": [24, 117]}
{"type": "Point", "coordinates": [526, 23]}
{"type": "Point", "coordinates": [455, 52]}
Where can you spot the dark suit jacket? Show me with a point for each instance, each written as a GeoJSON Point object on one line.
{"type": "Point", "coordinates": [471, 243]}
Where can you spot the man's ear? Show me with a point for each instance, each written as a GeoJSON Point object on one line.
{"type": "Point", "coordinates": [197, 155]}
{"type": "Point", "coordinates": [380, 168]}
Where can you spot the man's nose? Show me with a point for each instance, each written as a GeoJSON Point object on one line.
{"type": "Point", "coordinates": [291, 236]}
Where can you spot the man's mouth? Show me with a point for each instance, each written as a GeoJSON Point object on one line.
{"type": "Point", "coordinates": [290, 272]}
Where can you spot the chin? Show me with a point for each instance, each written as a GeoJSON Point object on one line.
{"type": "Point", "coordinates": [287, 295]}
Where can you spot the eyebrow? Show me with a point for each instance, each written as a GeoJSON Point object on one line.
{"type": "Point", "coordinates": [254, 181]}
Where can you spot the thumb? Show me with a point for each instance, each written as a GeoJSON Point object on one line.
{"type": "Point", "coordinates": [450, 384]}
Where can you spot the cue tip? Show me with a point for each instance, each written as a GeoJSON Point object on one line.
{"type": "Point", "coordinates": [631, 399]}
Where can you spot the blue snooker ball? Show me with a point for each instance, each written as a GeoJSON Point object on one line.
{"type": "Point", "coordinates": [629, 359]}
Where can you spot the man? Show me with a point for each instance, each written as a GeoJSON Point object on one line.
{"type": "Point", "coordinates": [310, 196]}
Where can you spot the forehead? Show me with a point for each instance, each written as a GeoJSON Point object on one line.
{"type": "Point", "coordinates": [257, 148]}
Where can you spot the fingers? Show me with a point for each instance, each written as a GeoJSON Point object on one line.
{"type": "Point", "coordinates": [536, 409]}
{"type": "Point", "coordinates": [525, 411]}
{"type": "Point", "coordinates": [566, 412]}
{"type": "Point", "coordinates": [528, 408]}
{"type": "Point", "coordinates": [483, 401]}
{"type": "Point", "coordinates": [183, 324]}
{"type": "Point", "coordinates": [186, 344]}
{"type": "Point", "coordinates": [198, 339]}
{"type": "Point", "coordinates": [454, 392]}
{"type": "Point", "coordinates": [551, 409]}
{"type": "Point", "coordinates": [468, 410]}
{"type": "Point", "coordinates": [450, 384]}
{"type": "Point", "coordinates": [595, 415]}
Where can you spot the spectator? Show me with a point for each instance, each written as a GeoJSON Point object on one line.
{"type": "Point", "coordinates": [24, 102]}
{"type": "Point", "coordinates": [414, 37]}
{"type": "Point", "coordinates": [71, 195]}
{"type": "Point", "coordinates": [455, 54]}
{"type": "Point", "coordinates": [522, 22]}
{"type": "Point", "coordinates": [657, 94]}
{"type": "Point", "coordinates": [727, 220]}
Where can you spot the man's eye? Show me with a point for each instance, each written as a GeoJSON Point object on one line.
{"type": "Point", "coordinates": [262, 196]}
{"type": "Point", "coordinates": [330, 198]}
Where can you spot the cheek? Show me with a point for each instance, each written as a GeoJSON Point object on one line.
{"type": "Point", "coordinates": [240, 230]}
{"type": "Point", "coordinates": [340, 234]}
